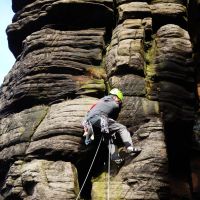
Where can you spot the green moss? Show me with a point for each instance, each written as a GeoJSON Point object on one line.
{"type": "Point", "coordinates": [100, 187]}
{"type": "Point", "coordinates": [151, 74]}
{"type": "Point", "coordinates": [92, 86]}
{"type": "Point", "coordinates": [21, 130]}
{"type": "Point", "coordinates": [149, 57]}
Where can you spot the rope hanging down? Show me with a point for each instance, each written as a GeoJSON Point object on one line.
{"type": "Point", "coordinates": [90, 168]}
{"type": "Point", "coordinates": [108, 181]}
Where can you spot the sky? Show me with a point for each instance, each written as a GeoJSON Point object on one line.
{"type": "Point", "coordinates": [7, 59]}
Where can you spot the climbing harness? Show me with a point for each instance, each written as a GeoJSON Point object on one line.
{"type": "Point", "coordinates": [90, 168]}
{"type": "Point", "coordinates": [88, 132]}
{"type": "Point", "coordinates": [104, 124]}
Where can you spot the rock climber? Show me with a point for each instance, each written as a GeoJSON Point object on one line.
{"type": "Point", "coordinates": [101, 118]}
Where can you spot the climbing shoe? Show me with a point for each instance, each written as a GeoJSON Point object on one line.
{"type": "Point", "coordinates": [116, 165]}
{"type": "Point", "coordinates": [119, 161]}
{"type": "Point", "coordinates": [133, 150]}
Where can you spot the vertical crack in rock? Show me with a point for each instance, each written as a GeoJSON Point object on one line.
{"type": "Point", "coordinates": [172, 70]}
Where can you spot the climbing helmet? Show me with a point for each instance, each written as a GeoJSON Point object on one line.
{"type": "Point", "coordinates": [117, 92]}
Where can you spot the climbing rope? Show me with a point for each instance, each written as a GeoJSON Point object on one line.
{"type": "Point", "coordinates": [108, 180]}
{"type": "Point", "coordinates": [90, 168]}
